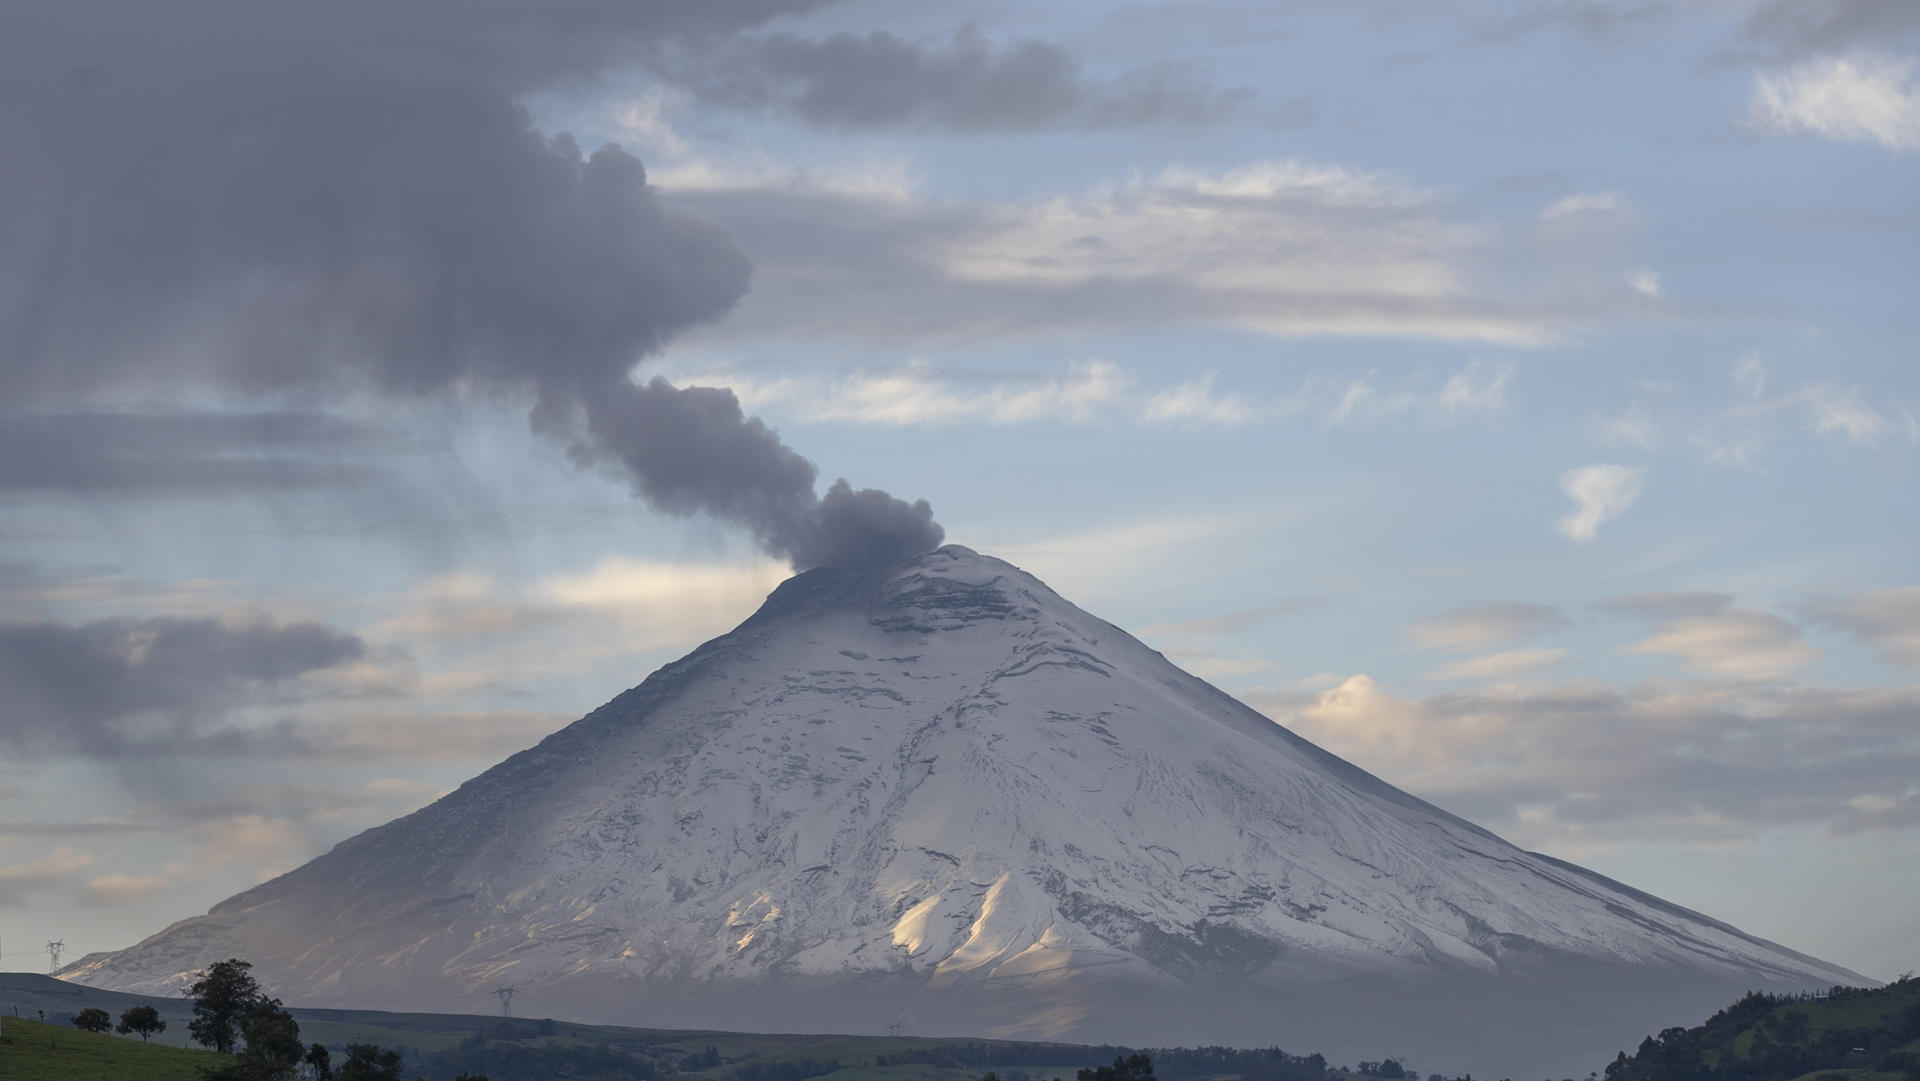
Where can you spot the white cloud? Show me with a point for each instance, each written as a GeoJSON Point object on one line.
{"type": "Point", "coordinates": [1645, 282]}
{"type": "Point", "coordinates": [1478, 388]}
{"type": "Point", "coordinates": [1738, 435]}
{"type": "Point", "coordinates": [883, 181]}
{"type": "Point", "coordinates": [919, 394]}
{"type": "Point", "coordinates": [1733, 644]}
{"type": "Point", "coordinates": [1196, 400]}
{"type": "Point", "coordinates": [1599, 493]}
{"type": "Point", "coordinates": [1282, 248]}
{"type": "Point", "coordinates": [1482, 626]}
{"type": "Point", "coordinates": [1118, 561]}
{"type": "Point", "coordinates": [1840, 410]}
{"type": "Point", "coordinates": [1585, 203]}
{"type": "Point", "coordinates": [1497, 666]}
{"type": "Point", "coordinates": [1575, 766]}
{"type": "Point", "coordinates": [644, 120]}
{"type": "Point", "coordinates": [922, 394]}
{"type": "Point", "coordinates": [1886, 619]}
{"type": "Point", "coordinates": [59, 863]}
{"type": "Point", "coordinates": [1750, 375]}
{"type": "Point", "coordinates": [121, 888]}
{"type": "Point", "coordinates": [1633, 428]}
{"type": "Point", "coordinates": [669, 603]}
{"type": "Point", "coordinates": [1862, 98]}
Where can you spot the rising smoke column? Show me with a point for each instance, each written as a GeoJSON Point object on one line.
{"type": "Point", "coordinates": [258, 198]}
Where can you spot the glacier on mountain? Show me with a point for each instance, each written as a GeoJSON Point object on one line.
{"type": "Point", "coordinates": [939, 794]}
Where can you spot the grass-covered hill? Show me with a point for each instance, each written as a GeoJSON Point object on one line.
{"type": "Point", "coordinates": [1847, 1034]}
{"type": "Point", "coordinates": [441, 1046]}
{"type": "Point", "coordinates": [33, 1050]}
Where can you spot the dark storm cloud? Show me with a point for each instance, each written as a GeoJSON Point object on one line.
{"type": "Point", "coordinates": [880, 80]}
{"type": "Point", "coordinates": [182, 453]}
{"type": "Point", "coordinates": [262, 199]}
{"type": "Point", "coordinates": [114, 685]}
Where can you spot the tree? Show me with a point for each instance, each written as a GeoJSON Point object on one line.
{"type": "Point", "coordinates": [224, 998]}
{"type": "Point", "coordinates": [273, 1043]}
{"type": "Point", "coordinates": [1131, 1068]}
{"type": "Point", "coordinates": [92, 1019]}
{"type": "Point", "coordinates": [320, 1062]}
{"type": "Point", "coordinates": [366, 1062]}
{"type": "Point", "coordinates": [142, 1020]}
{"type": "Point", "coordinates": [273, 1050]}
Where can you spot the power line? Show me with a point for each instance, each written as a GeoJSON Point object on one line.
{"type": "Point", "coordinates": [506, 999]}
{"type": "Point", "coordinates": [53, 955]}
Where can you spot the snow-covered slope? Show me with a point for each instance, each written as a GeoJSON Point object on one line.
{"type": "Point", "coordinates": [939, 793]}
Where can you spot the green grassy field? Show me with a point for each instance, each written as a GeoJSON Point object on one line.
{"type": "Point", "coordinates": [418, 1035]}
{"type": "Point", "coordinates": [36, 1051]}
{"type": "Point", "coordinates": [1823, 1017]}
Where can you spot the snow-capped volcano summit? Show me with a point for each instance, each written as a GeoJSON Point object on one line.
{"type": "Point", "coordinates": [937, 792]}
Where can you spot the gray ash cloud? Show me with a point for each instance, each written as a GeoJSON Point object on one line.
{"type": "Point", "coordinates": [272, 200]}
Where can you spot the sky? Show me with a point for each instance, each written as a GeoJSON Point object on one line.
{"type": "Point", "coordinates": [1518, 398]}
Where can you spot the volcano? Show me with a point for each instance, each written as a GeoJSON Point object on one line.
{"type": "Point", "coordinates": [936, 793]}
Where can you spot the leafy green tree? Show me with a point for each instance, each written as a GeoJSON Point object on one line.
{"type": "Point", "coordinates": [273, 1051]}
{"type": "Point", "coordinates": [92, 1019]}
{"type": "Point", "coordinates": [273, 1042]}
{"type": "Point", "coordinates": [143, 1021]}
{"type": "Point", "coordinates": [1132, 1068]}
{"type": "Point", "coordinates": [366, 1062]}
{"type": "Point", "coordinates": [225, 997]}
{"type": "Point", "coordinates": [320, 1062]}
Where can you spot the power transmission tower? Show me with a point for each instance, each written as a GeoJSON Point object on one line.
{"type": "Point", "coordinates": [506, 1000]}
{"type": "Point", "coordinates": [53, 955]}
{"type": "Point", "coordinates": [895, 1028]}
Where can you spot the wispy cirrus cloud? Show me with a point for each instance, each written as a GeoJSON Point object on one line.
{"type": "Point", "coordinates": [1740, 433]}
{"type": "Point", "coordinates": [921, 394]}
{"type": "Point", "coordinates": [1863, 97]}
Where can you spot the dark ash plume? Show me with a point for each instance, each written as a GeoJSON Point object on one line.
{"type": "Point", "coordinates": [692, 449]}
{"type": "Point", "coordinates": [257, 199]}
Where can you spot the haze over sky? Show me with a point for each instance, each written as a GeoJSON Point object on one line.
{"type": "Point", "coordinates": [1518, 399]}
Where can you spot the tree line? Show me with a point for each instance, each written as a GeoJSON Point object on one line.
{"type": "Point", "coordinates": [233, 1016]}
{"type": "Point", "coordinates": [1755, 1039]}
